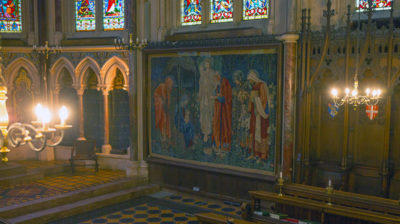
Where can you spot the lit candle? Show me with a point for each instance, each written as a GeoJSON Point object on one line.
{"type": "Point", "coordinates": [374, 93]}
{"type": "Point", "coordinates": [63, 113]}
{"type": "Point", "coordinates": [45, 117]}
{"type": "Point", "coordinates": [368, 91]}
{"type": "Point", "coordinates": [347, 91]}
{"type": "Point", "coordinates": [378, 92]}
{"type": "Point", "coordinates": [38, 111]}
{"type": "Point", "coordinates": [334, 92]}
{"type": "Point", "coordinates": [354, 93]}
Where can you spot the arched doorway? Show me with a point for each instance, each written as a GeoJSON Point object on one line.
{"type": "Point", "coordinates": [119, 116]}
{"type": "Point", "coordinates": [93, 109]}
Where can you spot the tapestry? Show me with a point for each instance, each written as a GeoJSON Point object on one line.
{"type": "Point", "coordinates": [216, 108]}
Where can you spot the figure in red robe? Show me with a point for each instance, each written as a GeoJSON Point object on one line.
{"type": "Point", "coordinates": [111, 6]}
{"type": "Point", "coordinates": [222, 118]}
{"type": "Point", "coordinates": [161, 107]}
{"type": "Point", "coordinates": [259, 118]}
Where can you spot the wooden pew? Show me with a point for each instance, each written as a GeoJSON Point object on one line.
{"type": "Point", "coordinates": [367, 202]}
{"type": "Point", "coordinates": [317, 204]}
{"type": "Point", "coordinates": [212, 218]}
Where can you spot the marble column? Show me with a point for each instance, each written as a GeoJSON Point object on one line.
{"type": "Point", "coordinates": [81, 137]}
{"type": "Point", "coordinates": [106, 148]}
{"type": "Point", "coordinates": [289, 102]}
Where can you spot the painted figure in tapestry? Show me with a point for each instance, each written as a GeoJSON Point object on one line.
{"type": "Point", "coordinates": [255, 4]}
{"type": "Point", "coordinates": [183, 123]}
{"type": "Point", "coordinates": [241, 125]}
{"type": "Point", "coordinates": [8, 8]}
{"type": "Point", "coordinates": [222, 6]}
{"type": "Point", "coordinates": [259, 120]}
{"type": "Point", "coordinates": [161, 106]}
{"type": "Point", "coordinates": [207, 86]}
{"type": "Point", "coordinates": [192, 8]}
{"type": "Point", "coordinates": [222, 117]}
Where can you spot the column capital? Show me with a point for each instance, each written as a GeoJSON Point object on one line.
{"type": "Point", "coordinates": [80, 91]}
{"type": "Point", "coordinates": [288, 38]}
{"type": "Point", "coordinates": [105, 90]}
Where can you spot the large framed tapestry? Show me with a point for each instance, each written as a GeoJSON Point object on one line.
{"type": "Point", "coordinates": [218, 108]}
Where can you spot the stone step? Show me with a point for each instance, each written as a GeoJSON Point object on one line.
{"type": "Point", "coordinates": [11, 169]}
{"type": "Point", "coordinates": [70, 197]}
{"type": "Point", "coordinates": [82, 206]}
{"type": "Point", "coordinates": [20, 175]}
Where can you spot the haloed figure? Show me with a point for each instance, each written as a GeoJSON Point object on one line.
{"type": "Point", "coordinates": [259, 117]}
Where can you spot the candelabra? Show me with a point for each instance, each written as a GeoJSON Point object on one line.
{"type": "Point", "coordinates": [35, 135]}
{"type": "Point", "coordinates": [329, 191]}
{"type": "Point", "coordinates": [46, 50]}
{"type": "Point", "coordinates": [353, 97]}
{"type": "Point", "coordinates": [120, 44]}
{"type": "Point", "coordinates": [280, 184]}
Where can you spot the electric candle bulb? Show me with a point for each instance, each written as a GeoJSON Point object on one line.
{"type": "Point", "coordinates": [46, 115]}
{"type": "Point", "coordinates": [334, 92]}
{"type": "Point", "coordinates": [38, 111]}
{"type": "Point", "coordinates": [63, 113]}
{"type": "Point", "coordinates": [374, 93]}
{"type": "Point", "coordinates": [354, 93]}
{"type": "Point", "coordinates": [378, 92]}
{"type": "Point", "coordinates": [368, 91]}
{"type": "Point", "coordinates": [347, 91]}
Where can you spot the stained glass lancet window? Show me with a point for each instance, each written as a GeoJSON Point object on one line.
{"type": "Point", "coordinates": [221, 11]}
{"type": "Point", "coordinates": [85, 15]}
{"type": "Point", "coordinates": [376, 4]}
{"type": "Point", "coordinates": [191, 12]}
{"type": "Point", "coordinates": [114, 14]}
{"type": "Point", "coordinates": [255, 9]}
{"type": "Point", "coordinates": [10, 16]}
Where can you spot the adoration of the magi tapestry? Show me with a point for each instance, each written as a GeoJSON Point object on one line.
{"type": "Point", "coordinates": [215, 108]}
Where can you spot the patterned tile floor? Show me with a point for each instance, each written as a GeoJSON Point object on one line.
{"type": "Point", "coordinates": [209, 204]}
{"type": "Point", "coordinates": [164, 207]}
{"type": "Point", "coordinates": [55, 185]}
{"type": "Point", "coordinates": [146, 213]}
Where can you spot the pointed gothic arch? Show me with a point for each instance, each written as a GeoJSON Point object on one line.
{"type": "Point", "coordinates": [56, 72]}
{"type": "Point", "coordinates": [81, 71]}
{"type": "Point", "coordinates": [108, 72]}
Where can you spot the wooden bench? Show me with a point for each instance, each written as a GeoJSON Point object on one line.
{"type": "Point", "coordinates": [316, 208]}
{"type": "Point", "coordinates": [367, 202]}
{"type": "Point", "coordinates": [212, 218]}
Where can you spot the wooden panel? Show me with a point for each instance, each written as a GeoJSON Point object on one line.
{"type": "Point", "coordinates": [211, 182]}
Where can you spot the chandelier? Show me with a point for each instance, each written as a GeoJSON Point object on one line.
{"type": "Point", "coordinates": [353, 96]}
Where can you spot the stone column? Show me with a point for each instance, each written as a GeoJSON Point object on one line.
{"type": "Point", "coordinates": [289, 102]}
{"type": "Point", "coordinates": [81, 137]}
{"type": "Point", "coordinates": [106, 148]}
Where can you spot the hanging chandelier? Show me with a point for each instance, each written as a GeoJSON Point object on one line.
{"type": "Point", "coordinates": [353, 96]}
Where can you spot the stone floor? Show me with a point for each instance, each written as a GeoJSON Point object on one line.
{"type": "Point", "coordinates": [165, 207]}
{"type": "Point", "coordinates": [54, 185]}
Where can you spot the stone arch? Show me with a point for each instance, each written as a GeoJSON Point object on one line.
{"type": "Point", "coordinates": [80, 71]}
{"type": "Point", "coordinates": [12, 70]}
{"type": "Point", "coordinates": [108, 72]}
{"type": "Point", "coordinates": [56, 71]}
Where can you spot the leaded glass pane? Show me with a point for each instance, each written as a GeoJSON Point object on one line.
{"type": "Point", "coordinates": [255, 9]}
{"type": "Point", "coordinates": [10, 16]}
{"type": "Point", "coordinates": [191, 12]}
{"type": "Point", "coordinates": [113, 14]}
{"type": "Point", "coordinates": [376, 4]}
{"type": "Point", "coordinates": [85, 15]}
{"type": "Point", "coordinates": [221, 11]}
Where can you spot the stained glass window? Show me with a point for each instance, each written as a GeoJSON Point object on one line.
{"type": "Point", "coordinates": [10, 16]}
{"type": "Point", "coordinates": [191, 12]}
{"type": "Point", "coordinates": [255, 9]}
{"type": "Point", "coordinates": [221, 11]}
{"type": "Point", "coordinates": [114, 14]}
{"type": "Point", "coordinates": [85, 15]}
{"type": "Point", "coordinates": [376, 4]}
